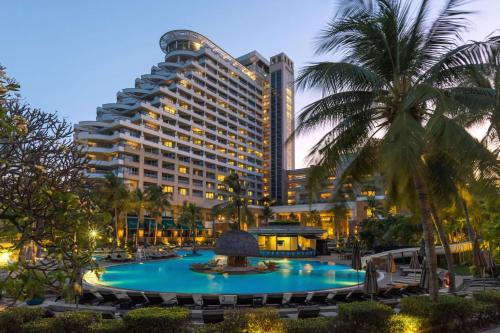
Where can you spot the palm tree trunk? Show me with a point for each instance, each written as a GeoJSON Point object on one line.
{"type": "Point", "coordinates": [156, 231]}
{"type": "Point", "coordinates": [213, 231]}
{"type": "Point", "coordinates": [239, 215]}
{"type": "Point", "coordinates": [446, 246]}
{"type": "Point", "coordinates": [126, 229]}
{"type": "Point", "coordinates": [115, 243]}
{"type": "Point", "coordinates": [193, 233]}
{"type": "Point", "coordinates": [139, 220]}
{"type": "Point", "coordinates": [470, 230]}
{"type": "Point", "coordinates": [430, 250]}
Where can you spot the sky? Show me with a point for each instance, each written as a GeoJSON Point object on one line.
{"type": "Point", "coordinates": [72, 56]}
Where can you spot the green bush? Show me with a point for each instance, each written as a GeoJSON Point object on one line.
{"type": "Point", "coordinates": [363, 317]}
{"type": "Point", "coordinates": [250, 321]}
{"type": "Point", "coordinates": [488, 305]}
{"type": "Point", "coordinates": [44, 325]}
{"type": "Point", "coordinates": [11, 319]}
{"type": "Point", "coordinates": [314, 325]}
{"type": "Point", "coordinates": [491, 296]}
{"type": "Point", "coordinates": [401, 323]}
{"type": "Point", "coordinates": [164, 320]}
{"type": "Point", "coordinates": [108, 326]}
{"type": "Point", "coordinates": [447, 314]}
{"type": "Point", "coordinates": [76, 321]}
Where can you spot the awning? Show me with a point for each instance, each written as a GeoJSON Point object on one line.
{"type": "Point", "coordinates": [168, 223]}
{"type": "Point", "coordinates": [132, 222]}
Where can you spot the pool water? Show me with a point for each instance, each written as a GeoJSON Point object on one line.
{"type": "Point", "coordinates": [174, 275]}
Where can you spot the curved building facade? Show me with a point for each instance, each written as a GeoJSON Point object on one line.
{"type": "Point", "coordinates": [198, 116]}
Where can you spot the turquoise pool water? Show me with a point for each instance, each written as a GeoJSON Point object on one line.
{"type": "Point", "coordinates": [174, 275]}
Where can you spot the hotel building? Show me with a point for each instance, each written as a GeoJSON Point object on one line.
{"type": "Point", "coordinates": [200, 115]}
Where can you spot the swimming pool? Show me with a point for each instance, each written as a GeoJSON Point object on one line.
{"type": "Point", "coordinates": [174, 275]}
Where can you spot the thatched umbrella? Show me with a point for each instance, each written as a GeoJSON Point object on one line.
{"type": "Point", "coordinates": [237, 245]}
{"type": "Point", "coordinates": [424, 278]}
{"type": "Point", "coordinates": [390, 265]}
{"type": "Point", "coordinates": [414, 264]}
{"type": "Point", "coordinates": [371, 284]}
{"type": "Point", "coordinates": [356, 258]}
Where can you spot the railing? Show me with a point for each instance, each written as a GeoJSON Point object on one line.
{"type": "Point", "coordinates": [288, 254]}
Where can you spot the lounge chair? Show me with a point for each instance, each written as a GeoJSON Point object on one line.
{"type": "Point", "coordinates": [340, 296]}
{"type": "Point", "coordinates": [274, 299]}
{"type": "Point", "coordinates": [311, 311]}
{"type": "Point", "coordinates": [154, 299]}
{"type": "Point", "coordinates": [298, 299]}
{"type": "Point", "coordinates": [244, 300]}
{"type": "Point", "coordinates": [185, 300]}
{"type": "Point", "coordinates": [357, 295]}
{"type": "Point", "coordinates": [88, 297]}
{"type": "Point", "coordinates": [319, 298]}
{"type": "Point", "coordinates": [210, 300]}
{"type": "Point", "coordinates": [212, 316]}
{"type": "Point", "coordinates": [136, 298]}
{"type": "Point", "coordinates": [109, 297]}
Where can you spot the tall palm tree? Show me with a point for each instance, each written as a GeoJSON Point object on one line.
{"type": "Point", "coordinates": [190, 214]}
{"type": "Point", "coordinates": [215, 212]}
{"type": "Point", "coordinates": [116, 196]}
{"type": "Point", "coordinates": [158, 202]}
{"type": "Point", "coordinates": [386, 103]}
{"type": "Point", "coordinates": [140, 203]}
{"type": "Point", "coordinates": [266, 214]}
{"type": "Point", "coordinates": [314, 218]}
{"type": "Point", "coordinates": [236, 191]}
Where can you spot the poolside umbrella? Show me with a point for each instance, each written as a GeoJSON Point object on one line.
{"type": "Point", "coordinates": [356, 258]}
{"type": "Point", "coordinates": [414, 264]}
{"type": "Point", "coordinates": [371, 285]}
{"type": "Point", "coordinates": [424, 278]}
{"type": "Point", "coordinates": [390, 265]}
{"type": "Point", "coordinates": [421, 251]}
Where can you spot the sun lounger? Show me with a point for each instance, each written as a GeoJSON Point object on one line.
{"type": "Point", "coordinates": [297, 299]}
{"type": "Point", "coordinates": [212, 316]}
{"type": "Point", "coordinates": [311, 311]}
{"type": "Point", "coordinates": [274, 299]}
{"type": "Point", "coordinates": [109, 297]}
{"type": "Point", "coordinates": [136, 298]}
{"type": "Point", "coordinates": [319, 298]}
{"type": "Point", "coordinates": [185, 300]}
{"type": "Point", "coordinates": [356, 295]}
{"type": "Point", "coordinates": [154, 299]}
{"type": "Point", "coordinates": [88, 297]}
{"type": "Point", "coordinates": [244, 300]}
{"type": "Point", "coordinates": [107, 312]}
{"type": "Point", "coordinates": [340, 296]}
{"type": "Point", "coordinates": [210, 300]}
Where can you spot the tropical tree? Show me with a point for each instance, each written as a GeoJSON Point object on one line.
{"type": "Point", "coordinates": [140, 202]}
{"type": "Point", "coordinates": [386, 103]}
{"type": "Point", "coordinates": [237, 205]}
{"type": "Point", "coordinates": [116, 197]}
{"type": "Point", "coordinates": [215, 212]}
{"type": "Point", "coordinates": [314, 218]}
{"type": "Point", "coordinates": [158, 203]}
{"type": "Point", "coordinates": [266, 214]}
{"type": "Point", "coordinates": [293, 217]}
{"type": "Point", "coordinates": [189, 215]}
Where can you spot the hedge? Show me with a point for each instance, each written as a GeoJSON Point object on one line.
{"type": "Point", "coordinates": [75, 321]}
{"type": "Point", "coordinates": [108, 326]}
{"type": "Point", "coordinates": [249, 320]}
{"type": "Point", "coordinates": [401, 323]}
{"type": "Point", "coordinates": [12, 319]}
{"type": "Point", "coordinates": [365, 317]}
{"type": "Point", "coordinates": [44, 325]}
{"type": "Point", "coordinates": [156, 320]}
{"type": "Point", "coordinates": [314, 325]}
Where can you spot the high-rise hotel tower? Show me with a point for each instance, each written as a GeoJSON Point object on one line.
{"type": "Point", "coordinates": [200, 115]}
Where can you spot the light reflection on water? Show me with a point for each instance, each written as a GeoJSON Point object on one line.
{"type": "Point", "coordinates": [173, 275]}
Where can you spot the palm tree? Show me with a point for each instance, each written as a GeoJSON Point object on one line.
{"type": "Point", "coordinates": [236, 191]}
{"type": "Point", "coordinates": [215, 212]}
{"type": "Point", "coordinates": [266, 214]}
{"type": "Point", "coordinates": [314, 218]}
{"type": "Point", "coordinates": [140, 203]}
{"type": "Point", "coordinates": [116, 197]}
{"type": "Point", "coordinates": [158, 202]}
{"type": "Point", "coordinates": [190, 214]}
{"type": "Point", "coordinates": [387, 102]}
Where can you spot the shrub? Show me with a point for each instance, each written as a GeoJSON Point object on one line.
{"type": "Point", "coordinates": [164, 320]}
{"type": "Point", "coordinates": [108, 326]}
{"type": "Point", "coordinates": [401, 323]}
{"type": "Point", "coordinates": [75, 321]}
{"type": "Point", "coordinates": [363, 317]}
{"type": "Point", "coordinates": [249, 321]}
{"type": "Point", "coordinates": [491, 296]}
{"type": "Point", "coordinates": [11, 319]}
{"type": "Point", "coordinates": [314, 325]}
{"type": "Point", "coordinates": [44, 325]}
{"type": "Point", "coordinates": [447, 314]}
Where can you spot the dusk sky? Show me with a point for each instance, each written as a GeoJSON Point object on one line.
{"type": "Point", "coordinates": [71, 56]}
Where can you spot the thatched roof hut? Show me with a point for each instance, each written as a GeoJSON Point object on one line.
{"type": "Point", "coordinates": [237, 243]}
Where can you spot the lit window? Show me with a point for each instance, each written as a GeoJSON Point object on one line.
{"type": "Point", "coordinates": [325, 195]}
{"type": "Point", "coordinates": [183, 191]}
{"type": "Point", "coordinates": [169, 109]}
{"type": "Point", "coordinates": [220, 197]}
{"type": "Point", "coordinates": [210, 195]}
{"type": "Point", "coordinates": [168, 189]}
{"type": "Point", "coordinates": [169, 144]}
{"type": "Point", "coordinates": [183, 169]}
{"type": "Point", "coordinates": [221, 178]}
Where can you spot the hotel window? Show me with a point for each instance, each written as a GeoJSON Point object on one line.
{"type": "Point", "coordinates": [221, 187]}
{"type": "Point", "coordinates": [220, 197]}
{"type": "Point", "coordinates": [210, 185]}
{"type": "Point", "coordinates": [183, 191]}
{"type": "Point", "coordinates": [169, 109]}
{"type": "Point", "coordinates": [221, 178]}
{"type": "Point", "coordinates": [198, 193]}
{"type": "Point", "coordinates": [167, 143]}
{"type": "Point", "coordinates": [210, 195]}
{"type": "Point", "coordinates": [183, 169]}
{"type": "Point", "coordinates": [168, 189]}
